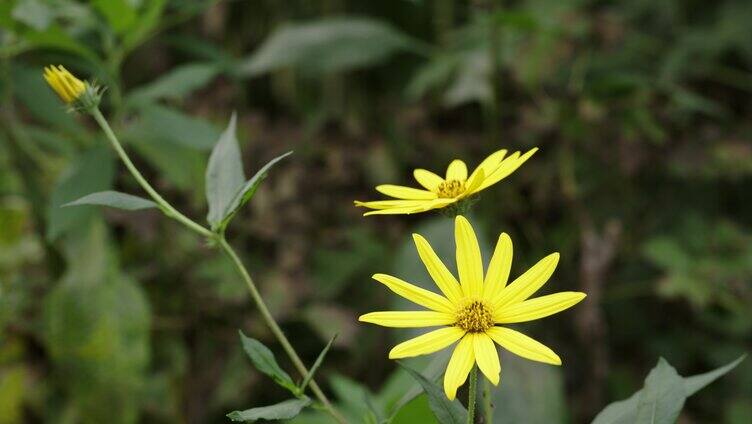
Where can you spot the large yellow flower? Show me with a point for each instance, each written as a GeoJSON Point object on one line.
{"type": "Point", "coordinates": [470, 309]}
{"type": "Point", "coordinates": [440, 192]}
{"type": "Point", "coordinates": [68, 87]}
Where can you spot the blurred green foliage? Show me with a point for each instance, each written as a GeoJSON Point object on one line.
{"type": "Point", "coordinates": [641, 110]}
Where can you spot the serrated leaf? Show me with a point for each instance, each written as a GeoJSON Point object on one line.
{"type": "Point", "coordinates": [224, 175]}
{"type": "Point", "coordinates": [316, 364]}
{"type": "Point", "coordinates": [327, 45]}
{"type": "Point", "coordinates": [446, 411]}
{"type": "Point", "coordinates": [263, 360]}
{"type": "Point", "coordinates": [248, 190]}
{"type": "Point", "coordinates": [280, 411]}
{"type": "Point", "coordinates": [114, 199]}
{"type": "Point", "coordinates": [176, 84]}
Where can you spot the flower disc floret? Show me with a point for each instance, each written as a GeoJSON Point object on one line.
{"type": "Point", "coordinates": [476, 317]}
{"type": "Point", "coordinates": [450, 189]}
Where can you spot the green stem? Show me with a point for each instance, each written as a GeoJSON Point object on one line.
{"type": "Point", "coordinates": [471, 395]}
{"type": "Point", "coordinates": [487, 405]}
{"type": "Point", "coordinates": [171, 212]}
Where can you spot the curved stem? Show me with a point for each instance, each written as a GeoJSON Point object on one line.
{"type": "Point", "coordinates": [472, 390]}
{"type": "Point", "coordinates": [171, 212]}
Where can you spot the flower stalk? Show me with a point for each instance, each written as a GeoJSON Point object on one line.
{"type": "Point", "coordinates": [471, 395]}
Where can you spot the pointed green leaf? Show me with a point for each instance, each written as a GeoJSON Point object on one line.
{"type": "Point", "coordinates": [280, 411]}
{"type": "Point", "coordinates": [695, 383]}
{"type": "Point", "coordinates": [224, 175]}
{"type": "Point", "coordinates": [263, 360]}
{"type": "Point", "coordinates": [248, 190]}
{"type": "Point", "coordinates": [114, 199]}
{"type": "Point", "coordinates": [316, 364]}
{"type": "Point", "coordinates": [446, 411]}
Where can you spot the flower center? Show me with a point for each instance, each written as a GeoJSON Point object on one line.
{"type": "Point", "coordinates": [450, 189]}
{"type": "Point", "coordinates": [475, 318]}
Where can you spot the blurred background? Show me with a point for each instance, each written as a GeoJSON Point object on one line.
{"type": "Point", "coordinates": [641, 110]}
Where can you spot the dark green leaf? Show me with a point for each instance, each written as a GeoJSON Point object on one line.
{"type": "Point", "coordinates": [263, 360]}
{"type": "Point", "coordinates": [327, 45]}
{"type": "Point", "coordinates": [316, 364]}
{"type": "Point", "coordinates": [120, 14]}
{"type": "Point", "coordinates": [147, 21]}
{"type": "Point", "coordinates": [176, 84]}
{"type": "Point", "coordinates": [446, 411]}
{"type": "Point", "coordinates": [248, 190]}
{"type": "Point", "coordinates": [224, 175]}
{"type": "Point", "coordinates": [114, 199]}
{"type": "Point", "coordinates": [280, 411]}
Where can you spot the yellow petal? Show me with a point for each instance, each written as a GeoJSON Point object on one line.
{"type": "Point", "coordinates": [408, 319]}
{"type": "Point", "coordinates": [427, 343]}
{"type": "Point", "coordinates": [469, 262]}
{"type": "Point", "coordinates": [487, 357]}
{"type": "Point", "coordinates": [457, 170]}
{"type": "Point", "coordinates": [508, 166]}
{"type": "Point", "coordinates": [473, 184]}
{"type": "Point", "coordinates": [437, 270]}
{"type": "Point", "coordinates": [522, 345]}
{"type": "Point", "coordinates": [398, 211]}
{"type": "Point", "coordinates": [427, 179]}
{"type": "Point", "coordinates": [498, 269]}
{"type": "Point", "coordinates": [459, 367]}
{"type": "Point", "coordinates": [490, 163]}
{"type": "Point", "coordinates": [401, 192]}
{"type": "Point", "coordinates": [389, 204]}
{"type": "Point", "coordinates": [415, 294]}
{"type": "Point", "coordinates": [537, 308]}
{"type": "Point", "coordinates": [528, 283]}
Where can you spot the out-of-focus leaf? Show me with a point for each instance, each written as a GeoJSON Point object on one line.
{"type": "Point", "coordinates": [114, 199]}
{"type": "Point", "coordinates": [147, 21]}
{"type": "Point", "coordinates": [55, 37]}
{"type": "Point", "coordinates": [247, 191]}
{"type": "Point", "coordinates": [34, 13]}
{"type": "Point", "coordinates": [179, 128]}
{"type": "Point", "coordinates": [91, 172]}
{"type": "Point", "coordinates": [280, 411]}
{"type": "Point", "coordinates": [317, 364]}
{"type": "Point", "coordinates": [120, 14]}
{"type": "Point", "coordinates": [176, 84]}
{"type": "Point", "coordinates": [224, 175]}
{"type": "Point", "coordinates": [326, 319]}
{"type": "Point", "coordinates": [327, 45]}
{"type": "Point", "coordinates": [446, 411]}
{"type": "Point", "coordinates": [662, 398]}
{"type": "Point", "coordinates": [263, 360]}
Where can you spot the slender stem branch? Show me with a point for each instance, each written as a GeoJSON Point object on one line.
{"type": "Point", "coordinates": [487, 404]}
{"type": "Point", "coordinates": [173, 213]}
{"type": "Point", "coordinates": [472, 390]}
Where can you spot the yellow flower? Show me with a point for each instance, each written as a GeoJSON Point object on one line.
{"type": "Point", "coordinates": [440, 192]}
{"type": "Point", "coordinates": [470, 309]}
{"type": "Point", "coordinates": [67, 87]}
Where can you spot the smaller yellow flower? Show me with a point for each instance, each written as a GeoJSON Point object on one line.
{"type": "Point", "coordinates": [440, 192]}
{"type": "Point", "coordinates": [67, 87]}
{"type": "Point", "coordinates": [474, 309]}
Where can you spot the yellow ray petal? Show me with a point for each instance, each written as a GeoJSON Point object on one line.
{"type": "Point", "coordinates": [473, 184]}
{"type": "Point", "coordinates": [459, 367]}
{"type": "Point", "coordinates": [490, 163]}
{"type": "Point", "coordinates": [508, 166]}
{"type": "Point", "coordinates": [537, 308]}
{"type": "Point", "coordinates": [415, 294]}
{"type": "Point", "coordinates": [457, 170]}
{"type": "Point", "coordinates": [401, 192]}
{"type": "Point", "coordinates": [498, 269]}
{"type": "Point", "coordinates": [487, 357]}
{"type": "Point", "coordinates": [523, 346]}
{"type": "Point", "coordinates": [408, 319]}
{"type": "Point", "coordinates": [438, 271]}
{"type": "Point", "coordinates": [427, 179]}
{"type": "Point", "coordinates": [398, 211]}
{"type": "Point", "coordinates": [528, 283]}
{"type": "Point", "coordinates": [469, 262]}
{"type": "Point", "coordinates": [427, 343]}
{"type": "Point", "coordinates": [389, 204]}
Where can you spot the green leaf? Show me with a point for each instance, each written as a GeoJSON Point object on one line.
{"type": "Point", "coordinates": [146, 23]}
{"type": "Point", "coordinates": [93, 171]}
{"type": "Point", "coordinates": [248, 190]}
{"type": "Point", "coordinates": [224, 175]}
{"type": "Point", "coordinates": [176, 84]}
{"type": "Point", "coordinates": [263, 360]}
{"type": "Point", "coordinates": [280, 411]}
{"type": "Point", "coordinates": [327, 45]}
{"type": "Point", "coordinates": [120, 14]}
{"type": "Point", "coordinates": [34, 13]}
{"type": "Point", "coordinates": [662, 397]}
{"type": "Point", "coordinates": [316, 364]}
{"type": "Point", "coordinates": [114, 199]}
{"type": "Point", "coordinates": [179, 128]}
{"type": "Point", "coordinates": [446, 411]}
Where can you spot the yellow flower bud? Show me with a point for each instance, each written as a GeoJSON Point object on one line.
{"type": "Point", "coordinates": [67, 87]}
